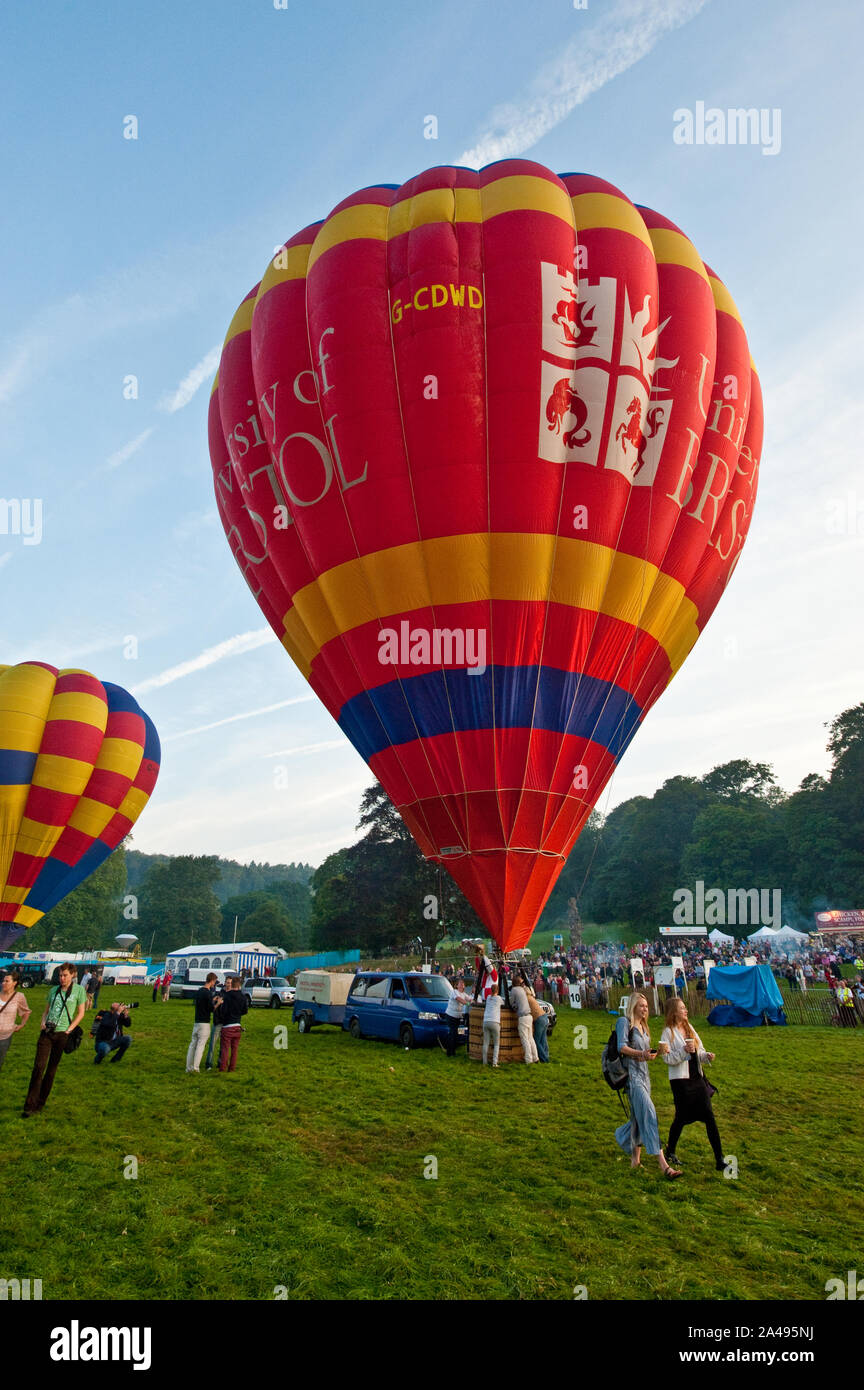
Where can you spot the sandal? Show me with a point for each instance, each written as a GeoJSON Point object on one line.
{"type": "Point", "coordinates": [672, 1173]}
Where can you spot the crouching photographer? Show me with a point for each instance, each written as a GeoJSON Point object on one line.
{"type": "Point", "coordinates": [108, 1028]}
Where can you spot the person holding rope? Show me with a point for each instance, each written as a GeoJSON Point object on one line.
{"type": "Point", "coordinates": [634, 1049]}
{"type": "Point", "coordinates": [691, 1091]}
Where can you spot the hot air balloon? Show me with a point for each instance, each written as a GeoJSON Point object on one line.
{"type": "Point", "coordinates": [485, 447]}
{"type": "Point", "coordinates": [78, 761]}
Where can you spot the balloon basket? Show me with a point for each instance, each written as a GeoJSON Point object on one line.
{"type": "Point", "coordinates": [510, 1049]}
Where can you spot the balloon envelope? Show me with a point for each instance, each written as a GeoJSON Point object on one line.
{"type": "Point", "coordinates": [485, 448]}
{"type": "Point", "coordinates": [78, 761]}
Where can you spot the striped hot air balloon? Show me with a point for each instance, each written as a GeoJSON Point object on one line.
{"type": "Point", "coordinates": [485, 448]}
{"type": "Point", "coordinates": [78, 761]}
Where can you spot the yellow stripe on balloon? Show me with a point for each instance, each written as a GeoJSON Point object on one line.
{"type": "Point", "coordinates": [25, 700]}
{"type": "Point", "coordinates": [604, 210]}
{"type": "Point", "coordinates": [375, 222]}
{"type": "Point", "coordinates": [27, 916]}
{"type": "Point", "coordinates": [121, 755]}
{"type": "Point", "coordinates": [506, 566]}
{"type": "Point", "coordinates": [91, 816]}
{"type": "Point", "coordinates": [291, 263]}
{"type": "Point", "coordinates": [56, 773]}
{"type": "Point", "coordinates": [80, 708]}
{"type": "Point", "coordinates": [434, 205]}
{"type": "Point", "coordinates": [362, 222]}
{"type": "Point", "coordinates": [133, 803]}
{"type": "Point", "coordinates": [674, 248]}
{"type": "Point", "coordinates": [241, 322]}
{"type": "Point", "coordinates": [526, 193]}
{"type": "Point", "coordinates": [723, 301]}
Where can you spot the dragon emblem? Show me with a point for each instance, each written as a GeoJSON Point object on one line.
{"type": "Point", "coordinates": [565, 401]}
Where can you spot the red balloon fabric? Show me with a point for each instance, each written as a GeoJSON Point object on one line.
{"type": "Point", "coordinates": [485, 447]}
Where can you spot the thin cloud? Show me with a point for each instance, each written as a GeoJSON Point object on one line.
{"type": "Point", "coordinates": [592, 58]}
{"type": "Point", "coordinates": [124, 454]}
{"type": "Point", "coordinates": [235, 718]}
{"type": "Point", "coordinates": [307, 748]}
{"type": "Point", "coordinates": [203, 371]}
{"type": "Point", "coordinates": [234, 646]}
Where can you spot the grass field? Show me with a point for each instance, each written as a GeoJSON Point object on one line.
{"type": "Point", "coordinates": [305, 1169]}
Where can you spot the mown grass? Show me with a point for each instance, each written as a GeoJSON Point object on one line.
{"type": "Point", "coordinates": [305, 1168]}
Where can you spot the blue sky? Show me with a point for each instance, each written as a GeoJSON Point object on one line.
{"type": "Point", "coordinates": [129, 257]}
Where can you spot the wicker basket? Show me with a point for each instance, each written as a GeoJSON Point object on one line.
{"type": "Point", "coordinates": [510, 1049]}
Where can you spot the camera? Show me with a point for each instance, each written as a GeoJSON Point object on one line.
{"type": "Point", "coordinates": [50, 1028]}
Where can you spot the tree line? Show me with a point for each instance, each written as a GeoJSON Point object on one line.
{"type": "Point", "coordinates": [731, 828]}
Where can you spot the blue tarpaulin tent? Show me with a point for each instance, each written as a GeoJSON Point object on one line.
{"type": "Point", "coordinates": [752, 993]}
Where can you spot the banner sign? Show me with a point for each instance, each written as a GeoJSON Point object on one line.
{"type": "Point", "coordinates": [840, 921]}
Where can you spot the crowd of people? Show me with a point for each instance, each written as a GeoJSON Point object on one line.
{"type": "Point", "coordinates": [218, 1012]}
{"type": "Point", "coordinates": [592, 969]}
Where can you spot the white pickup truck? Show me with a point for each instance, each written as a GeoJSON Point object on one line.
{"type": "Point", "coordinates": [272, 992]}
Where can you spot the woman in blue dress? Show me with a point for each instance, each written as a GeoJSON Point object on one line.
{"type": "Point", "coordinates": [634, 1047]}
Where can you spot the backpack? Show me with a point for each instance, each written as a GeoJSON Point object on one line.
{"type": "Point", "coordinates": [613, 1068]}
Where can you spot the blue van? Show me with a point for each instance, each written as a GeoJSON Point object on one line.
{"type": "Point", "coordinates": [408, 1008]}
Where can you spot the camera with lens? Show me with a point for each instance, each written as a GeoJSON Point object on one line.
{"type": "Point", "coordinates": [50, 1028]}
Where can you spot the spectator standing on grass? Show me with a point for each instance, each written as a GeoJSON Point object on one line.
{"type": "Point", "coordinates": [206, 1005]}
{"type": "Point", "coordinates": [157, 983]}
{"type": "Point", "coordinates": [524, 1022]}
{"type": "Point", "coordinates": [846, 1006]}
{"type": "Point", "coordinates": [685, 1055]}
{"type": "Point", "coordinates": [166, 986]}
{"type": "Point", "coordinates": [14, 1011]}
{"type": "Point", "coordinates": [492, 1025]}
{"type": "Point", "coordinates": [539, 1025]}
{"type": "Point", "coordinates": [67, 1004]}
{"type": "Point", "coordinates": [93, 989]}
{"type": "Point", "coordinates": [635, 1051]}
{"type": "Point", "coordinates": [234, 1006]}
{"type": "Point", "coordinates": [85, 985]}
{"type": "Point", "coordinates": [214, 1044]}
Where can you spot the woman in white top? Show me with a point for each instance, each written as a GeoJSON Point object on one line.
{"type": "Point", "coordinates": [690, 1090]}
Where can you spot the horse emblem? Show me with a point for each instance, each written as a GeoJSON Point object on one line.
{"type": "Point", "coordinates": [630, 431]}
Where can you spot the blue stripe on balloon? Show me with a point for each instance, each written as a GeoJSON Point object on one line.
{"type": "Point", "coordinates": [55, 879]}
{"type": "Point", "coordinates": [423, 706]}
{"type": "Point", "coordinates": [16, 767]}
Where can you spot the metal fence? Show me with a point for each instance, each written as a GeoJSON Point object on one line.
{"type": "Point", "coordinates": [814, 1006]}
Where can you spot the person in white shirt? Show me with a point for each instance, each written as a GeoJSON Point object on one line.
{"type": "Point", "coordinates": [683, 1053]}
{"type": "Point", "coordinates": [456, 1005]}
{"type": "Point", "coordinates": [524, 1021]}
{"type": "Point", "coordinates": [492, 1026]}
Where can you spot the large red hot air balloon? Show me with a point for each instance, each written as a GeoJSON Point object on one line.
{"type": "Point", "coordinates": [485, 448]}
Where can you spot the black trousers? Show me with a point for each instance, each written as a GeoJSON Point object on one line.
{"type": "Point", "coordinates": [693, 1106]}
{"type": "Point", "coordinates": [453, 1035]}
{"type": "Point", "coordinates": [49, 1050]}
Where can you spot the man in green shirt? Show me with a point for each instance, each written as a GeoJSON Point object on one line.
{"type": "Point", "coordinates": [63, 1012]}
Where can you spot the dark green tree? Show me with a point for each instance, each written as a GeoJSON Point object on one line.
{"type": "Point", "coordinates": [177, 905]}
